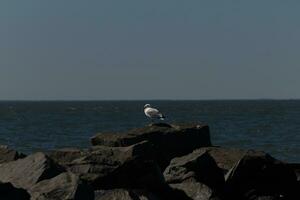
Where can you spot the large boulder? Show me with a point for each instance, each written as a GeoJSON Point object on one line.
{"type": "Point", "coordinates": [7, 155]}
{"type": "Point", "coordinates": [259, 174]}
{"type": "Point", "coordinates": [138, 194]}
{"type": "Point", "coordinates": [169, 141]}
{"type": "Point", "coordinates": [26, 172]}
{"type": "Point", "coordinates": [226, 158]}
{"type": "Point", "coordinates": [146, 195]}
{"type": "Point", "coordinates": [296, 168]}
{"type": "Point", "coordinates": [195, 190]}
{"type": "Point", "coordinates": [267, 198]}
{"type": "Point", "coordinates": [9, 192]}
{"type": "Point", "coordinates": [115, 167]}
{"type": "Point", "coordinates": [124, 194]}
{"type": "Point", "coordinates": [115, 194]}
{"type": "Point", "coordinates": [199, 166]}
{"type": "Point", "coordinates": [255, 195]}
{"type": "Point", "coordinates": [64, 186]}
{"type": "Point", "coordinates": [65, 156]}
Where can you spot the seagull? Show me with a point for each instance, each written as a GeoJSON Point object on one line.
{"type": "Point", "coordinates": [153, 113]}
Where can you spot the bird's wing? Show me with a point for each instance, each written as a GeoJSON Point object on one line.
{"type": "Point", "coordinates": [153, 112]}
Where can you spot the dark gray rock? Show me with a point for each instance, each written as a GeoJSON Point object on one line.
{"type": "Point", "coordinates": [124, 194]}
{"type": "Point", "coordinates": [256, 195]}
{"type": "Point", "coordinates": [26, 172]}
{"type": "Point", "coordinates": [117, 167]}
{"type": "Point", "coordinates": [138, 194]}
{"type": "Point", "coordinates": [64, 186]}
{"type": "Point", "coordinates": [259, 172]}
{"type": "Point", "coordinates": [115, 194]}
{"type": "Point", "coordinates": [195, 190]}
{"type": "Point", "coordinates": [226, 158]}
{"type": "Point", "coordinates": [168, 141]}
{"type": "Point", "coordinates": [7, 155]}
{"type": "Point", "coordinates": [66, 155]}
{"type": "Point", "coordinates": [268, 198]}
{"type": "Point", "coordinates": [198, 165]}
{"type": "Point", "coordinates": [146, 195]}
{"type": "Point", "coordinates": [296, 168]}
{"type": "Point", "coordinates": [9, 192]}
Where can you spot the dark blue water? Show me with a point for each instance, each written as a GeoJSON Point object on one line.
{"type": "Point", "coordinates": [272, 126]}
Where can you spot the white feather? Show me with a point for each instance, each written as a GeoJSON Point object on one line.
{"type": "Point", "coordinates": [153, 113]}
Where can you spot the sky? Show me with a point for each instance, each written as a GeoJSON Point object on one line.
{"type": "Point", "coordinates": [137, 49]}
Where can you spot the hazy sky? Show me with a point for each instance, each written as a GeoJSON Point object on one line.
{"type": "Point", "coordinates": [168, 49]}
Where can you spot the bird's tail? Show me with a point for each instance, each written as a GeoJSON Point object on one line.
{"type": "Point", "coordinates": [162, 117]}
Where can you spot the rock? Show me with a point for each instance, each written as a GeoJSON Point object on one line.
{"type": "Point", "coordinates": [259, 172]}
{"type": "Point", "coordinates": [65, 156]}
{"type": "Point", "coordinates": [198, 165]}
{"type": "Point", "coordinates": [226, 158]}
{"type": "Point", "coordinates": [116, 194]}
{"type": "Point", "coordinates": [9, 192]}
{"type": "Point", "coordinates": [117, 167]}
{"type": "Point", "coordinates": [146, 195]}
{"type": "Point", "coordinates": [168, 141]}
{"type": "Point", "coordinates": [267, 198]}
{"type": "Point", "coordinates": [64, 186]}
{"type": "Point", "coordinates": [255, 195]}
{"type": "Point", "coordinates": [134, 194]}
{"type": "Point", "coordinates": [7, 155]}
{"type": "Point", "coordinates": [296, 168]}
{"type": "Point", "coordinates": [195, 190]}
{"type": "Point", "coordinates": [26, 172]}
{"type": "Point", "coordinates": [124, 194]}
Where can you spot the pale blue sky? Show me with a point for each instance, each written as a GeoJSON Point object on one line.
{"type": "Point", "coordinates": [140, 49]}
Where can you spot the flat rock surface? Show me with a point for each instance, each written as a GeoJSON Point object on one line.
{"type": "Point", "coordinates": [152, 132]}
{"type": "Point", "coordinates": [168, 141]}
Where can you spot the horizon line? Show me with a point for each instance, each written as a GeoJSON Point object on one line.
{"type": "Point", "coordinates": [225, 99]}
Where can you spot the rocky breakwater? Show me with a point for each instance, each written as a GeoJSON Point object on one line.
{"type": "Point", "coordinates": [156, 162]}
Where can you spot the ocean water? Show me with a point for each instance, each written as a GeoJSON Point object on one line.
{"type": "Point", "coordinates": [269, 125]}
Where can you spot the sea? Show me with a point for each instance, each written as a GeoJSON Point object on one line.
{"type": "Point", "coordinates": [272, 126]}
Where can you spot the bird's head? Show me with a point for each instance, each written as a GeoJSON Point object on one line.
{"type": "Point", "coordinates": [147, 106]}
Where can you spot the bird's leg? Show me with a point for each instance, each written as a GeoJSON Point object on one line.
{"type": "Point", "coordinates": [152, 121]}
